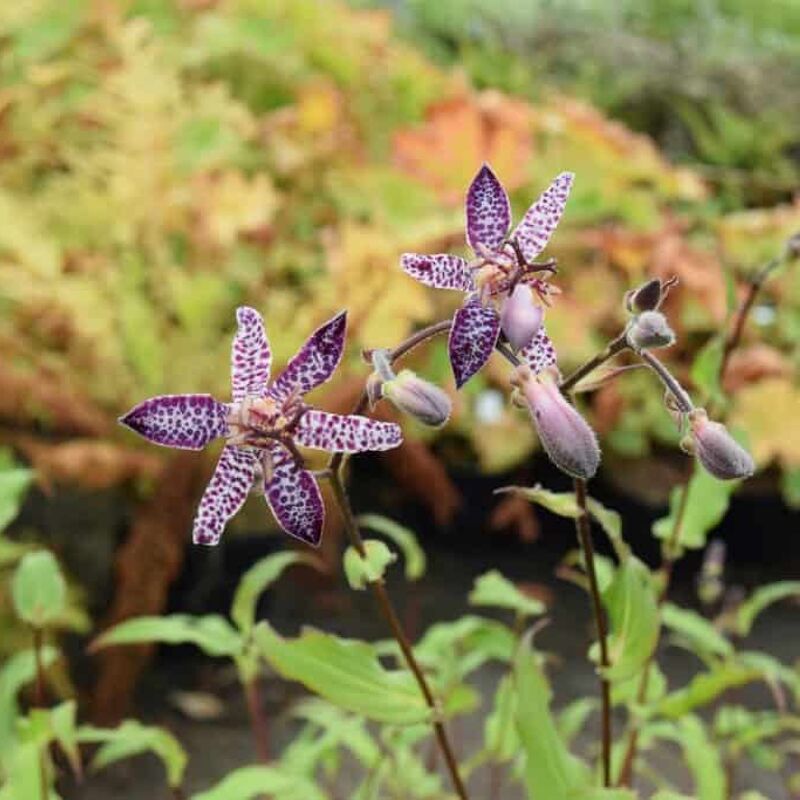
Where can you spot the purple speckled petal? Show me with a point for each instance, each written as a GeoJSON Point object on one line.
{"type": "Point", "coordinates": [251, 356]}
{"type": "Point", "coordinates": [340, 433]}
{"type": "Point", "coordinates": [294, 497]}
{"type": "Point", "coordinates": [186, 421]}
{"type": "Point", "coordinates": [488, 211]}
{"type": "Point", "coordinates": [314, 362]}
{"type": "Point", "coordinates": [540, 353]}
{"type": "Point", "coordinates": [440, 271]}
{"type": "Point", "coordinates": [472, 339]}
{"type": "Point", "coordinates": [541, 219]}
{"type": "Point", "coordinates": [225, 494]}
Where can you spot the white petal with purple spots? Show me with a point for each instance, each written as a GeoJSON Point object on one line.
{"type": "Point", "coordinates": [473, 336]}
{"type": "Point", "coordinates": [251, 356]}
{"type": "Point", "coordinates": [185, 421]}
{"type": "Point", "coordinates": [314, 362]}
{"type": "Point", "coordinates": [541, 219]}
{"type": "Point", "coordinates": [540, 353]}
{"type": "Point", "coordinates": [295, 499]}
{"type": "Point", "coordinates": [339, 433]}
{"type": "Point", "coordinates": [441, 271]}
{"type": "Point", "coordinates": [225, 494]}
{"type": "Point", "coordinates": [488, 211]}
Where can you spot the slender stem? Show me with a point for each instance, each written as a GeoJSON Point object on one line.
{"type": "Point", "coordinates": [585, 538]}
{"type": "Point", "coordinates": [614, 347]}
{"type": "Point", "coordinates": [390, 615]}
{"type": "Point", "coordinates": [676, 390]}
{"type": "Point", "coordinates": [258, 721]}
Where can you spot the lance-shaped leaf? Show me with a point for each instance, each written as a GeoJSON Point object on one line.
{"type": "Point", "coordinates": [185, 421]}
{"type": "Point", "coordinates": [473, 336]}
{"type": "Point", "coordinates": [259, 578]}
{"type": "Point", "coordinates": [493, 590]}
{"type": "Point", "coordinates": [403, 537]}
{"type": "Point", "coordinates": [762, 598]}
{"type": "Point", "coordinates": [315, 361]}
{"type": "Point", "coordinates": [345, 672]}
{"type": "Point", "coordinates": [706, 687]}
{"type": "Point", "coordinates": [250, 782]}
{"type": "Point", "coordinates": [632, 603]}
{"type": "Point", "coordinates": [14, 482]}
{"type": "Point", "coordinates": [251, 356]}
{"type": "Point", "coordinates": [346, 433]}
{"type": "Point", "coordinates": [213, 634]}
{"type": "Point", "coordinates": [488, 211]}
{"type": "Point", "coordinates": [440, 271]}
{"type": "Point", "coordinates": [541, 219]}
{"type": "Point", "coordinates": [698, 633]}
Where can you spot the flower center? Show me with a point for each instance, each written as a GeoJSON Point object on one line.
{"type": "Point", "coordinates": [256, 421]}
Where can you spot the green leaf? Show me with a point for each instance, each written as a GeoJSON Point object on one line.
{"type": "Point", "coordinates": [699, 634]}
{"type": "Point", "coordinates": [760, 599]}
{"type": "Point", "coordinates": [64, 728]}
{"type": "Point", "coordinates": [499, 732]}
{"type": "Point", "coordinates": [565, 505]}
{"type": "Point", "coordinates": [248, 782]}
{"type": "Point", "coordinates": [258, 578]}
{"type": "Point", "coordinates": [38, 589]}
{"type": "Point", "coordinates": [370, 568]}
{"type": "Point", "coordinates": [404, 538]}
{"type": "Point", "coordinates": [550, 770]}
{"type": "Point", "coordinates": [772, 670]}
{"type": "Point", "coordinates": [705, 507]}
{"type": "Point", "coordinates": [632, 603]}
{"type": "Point", "coordinates": [21, 773]}
{"type": "Point", "coordinates": [213, 634]}
{"type": "Point", "coordinates": [706, 687]}
{"type": "Point", "coordinates": [628, 691]}
{"type": "Point", "coordinates": [790, 487]}
{"type": "Point", "coordinates": [703, 759]}
{"type": "Point", "coordinates": [14, 482]}
{"type": "Point", "coordinates": [345, 672]}
{"type": "Point", "coordinates": [132, 738]}
{"type": "Point", "coordinates": [493, 590]}
{"type": "Point", "coordinates": [572, 718]}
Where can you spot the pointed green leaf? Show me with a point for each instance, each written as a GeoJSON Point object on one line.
{"type": "Point", "coordinates": [363, 570]}
{"type": "Point", "coordinates": [345, 672]}
{"type": "Point", "coordinates": [706, 687]}
{"type": "Point", "coordinates": [500, 732]}
{"type": "Point", "coordinates": [404, 538]}
{"type": "Point", "coordinates": [762, 598]}
{"type": "Point", "coordinates": [14, 482]}
{"type": "Point", "coordinates": [260, 577]}
{"type": "Point", "coordinates": [703, 759]}
{"type": "Point", "coordinates": [632, 603]}
{"type": "Point", "coordinates": [38, 589]}
{"type": "Point", "coordinates": [493, 590]}
{"type": "Point", "coordinates": [699, 634]}
{"type": "Point", "coordinates": [213, 634]}
{"type": "Point", "coordinates": [250, 782]}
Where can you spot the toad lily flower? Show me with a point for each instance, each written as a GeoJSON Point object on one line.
{"type": "Point", "coordinates": [264, 426]}
{"type": "Point", "coordinates": [503, 281]}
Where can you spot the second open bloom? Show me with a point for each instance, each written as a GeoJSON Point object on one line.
{"type": "Point", "coordinates": [263, 427]}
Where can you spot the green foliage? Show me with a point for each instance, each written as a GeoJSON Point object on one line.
{"type": "Point", "coordinates": [250, 782]}
{"type": "Point", "coordinates": [759, 600]}
{"type": "Point", "coordinates": [493, 590]}
{"type": "Point", "coordinates": [405, 539]}
{"type": "Point", "coordinates": [39, 590]}
{"type": "Point", "coordinates": [697, 632]}
{"type": "Point", "coordinates": [369, 568]}
{"type": "Point", "coordinates": [14, 483]}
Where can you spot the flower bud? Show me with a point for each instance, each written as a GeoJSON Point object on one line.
{"type": "Point", "coordinates": [718, 452]}
{"type": "Point", "coordinates": [650, 330]}
{"type": "Point", "coordinates": [646, 297]}
{"type": "Point", "coordinates": [520, 317]}
{"type": "Point", "coordinates": [563, 432]}
{"type": "Point", "coordinates": [420, 399]}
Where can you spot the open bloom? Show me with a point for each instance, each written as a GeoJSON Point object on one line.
{"type": "Point", "coordinates": [503, 283]}
{"type": "Point", "coordinates": [264, 426]}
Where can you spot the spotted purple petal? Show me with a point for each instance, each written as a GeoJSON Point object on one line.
{"type": "Point", "coordinates": [314, 362]}
{"type": "Point", "coordinates": [295, 499]}
{"type": "Point", "coordinates": [186, 421]}
{"type": "Point", "coordinates": [540, 353]}
{"type": "Point", "coordinates": [440, 271]}
{"type": "Point", "coordinates": [225, 494]}
{"type": "Point", "coordinates": [488, 211]}
{"type": "Point", "coordinates": [541, 219]}
{"type": "Point", "coordinates": [251, 356]}
{"type": "Point", "coordinates": [473, 336]}
{"type": "Point", "coordinates": [339, 433]}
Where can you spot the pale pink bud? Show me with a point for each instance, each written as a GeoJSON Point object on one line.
{"type": "Point", "coordinates": [650, 330]}
{"type": "Point", "coordinates": [563, 432]}
{"type": "Point", "coordinates": [418, 398]}
{"type": "Point", "coordinates": [718, 452]}
{"type": "Point", "coordinates": [520, 317]}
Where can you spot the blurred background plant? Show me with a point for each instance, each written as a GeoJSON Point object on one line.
{"type": "Point", "coordinates": [164, 161]}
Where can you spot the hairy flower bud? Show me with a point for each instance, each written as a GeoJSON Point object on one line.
{"type": "Point", "coordinates": [650, 330]}
{"type": "Point", "coordinates": [563, 432]}
{"type": "Point", "coordinates": [718, 452]}
{"type": "Point", "coordinates": [520, 317]}
{"type": "Point", "coordinates": [418, 398]}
